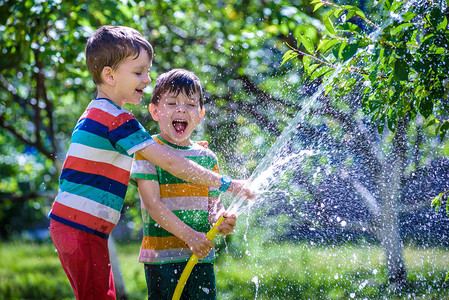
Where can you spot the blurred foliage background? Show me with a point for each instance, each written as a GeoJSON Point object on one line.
{"type": "Point", "coordinates": [253, 91]}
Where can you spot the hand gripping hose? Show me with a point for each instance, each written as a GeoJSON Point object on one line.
{"type": "Point", "coordinates": [193, 260]}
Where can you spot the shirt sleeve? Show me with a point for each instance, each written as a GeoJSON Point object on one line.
{"type": "Point", "coordinates": [129, 135]}
{"type": "Point", "coordinates": [143, 169]}
{"type": "Point", "coordinates": [213, 191]}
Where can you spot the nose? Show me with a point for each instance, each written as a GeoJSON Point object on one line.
{"type": "Point", "coordinates": [181, 107]}
{"type": "Point", "coordinates": [146, 78]}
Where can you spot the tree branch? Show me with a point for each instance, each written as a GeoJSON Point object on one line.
{"type": "Point", "coordinates": [11, 129]}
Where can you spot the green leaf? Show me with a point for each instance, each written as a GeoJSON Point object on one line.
{"type": "Point", "coordinates": [348, 51]}
{"type": "Point", "coordinates": [399, 28]}
{"type": "Point", "coordinates": [432, 122]}
{"type": "Point", "coordinates": [320, 72]}
{"type": "Point", "coordinates": [394, 99]}
{"type": "Point", "coordinates": [436, 202]}
{"type": "Point", "coordinates": [438, 91]}
{"type": "Point", "coordinates": [360, 14]}
{"type": "Point", "coordinates": [401, 70]}
{"type": "Point", "coordinates": [306, 60]}
{"type": "Point", "coordinates": [336, 50]}
{"type": "Point", "coordinates": [381, 125]}
{"type": "Point", "coordinates": [307, 43]}
{"type": "Point", "coordinates": [443, 24]}
{"type": "Point", "coordinates": [387, 52]}
{"type": "Point", "coordinates": [349, 27]}
{"type": "Point", "coordinates": [437, 129]}
{"type": "Point", "coordinates": [443, 129]}
{"type": "Point", "coordinates": [356, 11]}
{"type": "Point", "coordinates": [317, 6]}
{"type": "Point", "coordinates": [373, 74]}
{"type": "Point", "coordinates": [338, 12]}
{"type": "Point", "coordinates": [395, 5]}
{"type": "Point", "coordinates": [420, 66]}
{"type": "Point", "coordinates": [374, 105]}
{"type": "Point", "coordinates": [392, 119]}
{"type": "Point", "coordinates": [288, 56]}
{"type": "Point", "coordinates": [436, 16]}
{"type": "Point", "coordinates": [350, 14]}
{"type": "Point", "coordinates": [329, 26]}
{"type": "Point", "coordinates": [427, 42]}
{"type": "Point", "coordinates": [426, 107]}
{"type": "Point", "coordinates": [328, 22]}
{"type": "Point", "coordinates": [326, 44]}
{"type": "Point", "coordinates": [408, 16]}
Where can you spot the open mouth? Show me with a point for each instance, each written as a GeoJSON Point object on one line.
{"type": "Point", "coordinates": [180, 126]}
{"type": "Point", "coordinates": [139, 91]}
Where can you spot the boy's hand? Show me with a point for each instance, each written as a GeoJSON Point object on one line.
{"type": "Point", "coordinates": [227, 226]}
{"type": "Point", "coordinates": [203, 144]}
{"type": "Point", "coordinates": [199, 244]}
{"type": "Point", "coordinates": [242, 186]}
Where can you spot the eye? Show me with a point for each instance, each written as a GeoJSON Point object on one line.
{"type": "Point", "coordinates": [138, 73]}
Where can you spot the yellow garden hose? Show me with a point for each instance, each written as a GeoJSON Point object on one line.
{"type": "Point", "coordinates": [192, 262]}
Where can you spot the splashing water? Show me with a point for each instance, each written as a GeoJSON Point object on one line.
{"type": "Point", "coordinates": [285, 154]}
{"type": "Point", "coordinates": [255, 280]}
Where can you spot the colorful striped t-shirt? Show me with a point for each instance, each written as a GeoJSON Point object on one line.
{"type": "Point", "coordinates": [188, 201]}
{"type": "Point", "coordinates": [96, 171]}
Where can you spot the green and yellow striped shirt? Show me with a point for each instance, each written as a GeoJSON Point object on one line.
{"type": "Point", "coordinates": [188, 201]}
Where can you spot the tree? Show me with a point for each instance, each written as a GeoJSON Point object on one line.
{"type": "Point", "coordinates": [398, 71]}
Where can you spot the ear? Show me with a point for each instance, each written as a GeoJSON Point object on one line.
{"type": "Point", "coordinates": [202, 113]}
{"type": "Point", "coordinates": [153, 111]}
{"type": "Point", "coordinates": [107, 75]}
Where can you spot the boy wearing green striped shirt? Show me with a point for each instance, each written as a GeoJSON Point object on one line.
{"type": "Point", "coordinates": [177, 214]}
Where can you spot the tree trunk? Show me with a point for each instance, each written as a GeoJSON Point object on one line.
{"type": "Point", "coordinates": [120, 290]}
{"type": "Point", "coordinates": [390, 193]}
{"type": "Point", "coordinates": [391, 243]}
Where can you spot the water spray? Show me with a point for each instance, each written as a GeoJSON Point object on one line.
{"type": "Point", "coordinates": [193, 261]}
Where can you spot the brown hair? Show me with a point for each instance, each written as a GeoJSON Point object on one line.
{"type": "Point", "coordinates": [110, 45]}
{"type": "Point", "coordinates": [176, 81]}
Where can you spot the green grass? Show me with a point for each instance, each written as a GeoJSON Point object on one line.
{"type": "Point", "coordinates": [302, 271]}
{"type": "Point", "coordinates": [270, 271]}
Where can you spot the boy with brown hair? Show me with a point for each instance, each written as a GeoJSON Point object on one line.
{"type": "Point", "coordinates": [96, 171]}
{"type": "Point", "coordinates": [177, 213]}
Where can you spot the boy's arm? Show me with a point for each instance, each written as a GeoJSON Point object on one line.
{"type": "Point", "coordinates": [196, 241]}
{"type": "Point", "coordinates": [190, 171]}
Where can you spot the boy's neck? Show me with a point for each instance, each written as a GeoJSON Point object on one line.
{"type": "Point", "coordinates": [185, 143]}
{"type": "Point", "coordinates": [101, 93]}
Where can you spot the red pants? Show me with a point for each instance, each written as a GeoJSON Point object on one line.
{"type": "Point", "coordinates": [85, 259]}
